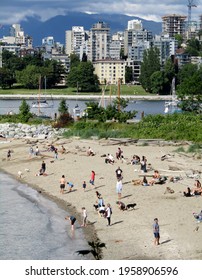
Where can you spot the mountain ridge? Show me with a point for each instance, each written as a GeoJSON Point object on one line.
{"type": "Point", "coordinates": [56, 26]}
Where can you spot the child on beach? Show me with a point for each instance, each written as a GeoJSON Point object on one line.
{"type": "Point", "coordinates": [92, 178]}
{"type": "Point", "coordinates": [84, 185]}
{"type": "Point", "coordinates": [84, 215]}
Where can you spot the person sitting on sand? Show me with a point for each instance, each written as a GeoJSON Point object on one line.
{"type": "Point", "coordinates": [90, 152]}
{"type": "Point", "coordinates": [121, 205]}
{"type": "Point", "coordinates": [198, 216]}
{"type": "Point", "coordinates": [145, 182]}
{"type": "Point", "coordinates": [109, 159]}
{"type": "Point", "coordinates": [42, 169]}
{"type": "Point", "coordinates": [155, 177]}
{"type": "Point", "coordinates": [197, 190]}
{"type": "Point", "coordinates": [63, 150]}
{"type": "Point", "coordinates": [188, 192]}
{"type": "Point", "coordinates": [135, 160]}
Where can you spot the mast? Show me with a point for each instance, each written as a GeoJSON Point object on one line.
{"type": "Point", "coordinates": [119, 93]}
{"type": "Point", "coordinates": [39, 94]}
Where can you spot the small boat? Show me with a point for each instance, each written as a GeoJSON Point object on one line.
{"type": "Point", "coordinates": [42, 102]}
{"type": "Point", "coordinates": [172, 106]}
{"type": "Point", "coordinates": [77, 112]}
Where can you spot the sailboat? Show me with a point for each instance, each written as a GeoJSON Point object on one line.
{"type": "Point", "coordinates": [172, 105]}
{"type": "Point", "coordinates": [42, 102]}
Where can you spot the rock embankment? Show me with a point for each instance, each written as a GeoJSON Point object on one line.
{"type": "Point", "coordinates": [19, 131]}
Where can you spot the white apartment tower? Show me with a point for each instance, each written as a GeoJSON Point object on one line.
{"type": "Point", "coordinates": [99, 41]}
{"type": "Point", "coordinates": [135, 24]}
{"type": "Point", "coordinates": [75, 40]}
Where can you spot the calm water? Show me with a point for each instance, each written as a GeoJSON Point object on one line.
{"type": "Point", "coordinates": [149, 107]}
{"type": "Point", "coordinates": [32, 227]}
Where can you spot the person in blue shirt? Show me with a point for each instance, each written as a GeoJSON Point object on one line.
{"type": "Point", "coordinates": [156, 232]}
{"type": "Point", "coordinates": [70, 184]}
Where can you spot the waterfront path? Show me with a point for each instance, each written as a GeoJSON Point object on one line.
{"type": "Point", "coordinates": [82, 97]}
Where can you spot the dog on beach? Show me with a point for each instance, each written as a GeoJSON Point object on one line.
{"type": "Point", "coordinates": [20, 174]}
{"type": "Point", "coordinates": [131, 206]}
{"type": "Point", "coordinates": [169, 190]}
{"type": "Point", "coordinates": [137, 182]}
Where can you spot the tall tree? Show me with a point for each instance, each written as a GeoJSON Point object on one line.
{"type": "Point", "coordinates": [150, 64]}
{"type": "Point", "coordinates": [83, 77]}
{"type": "Point", "coordinates": [190, 88]}
{"type": "Point", "coordinates": [24, 111]}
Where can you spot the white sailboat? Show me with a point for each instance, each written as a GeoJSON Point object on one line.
{"type": "Point", "coordinates": [172, 105]}
{"type": "Point", "coordinates": [42, 102]}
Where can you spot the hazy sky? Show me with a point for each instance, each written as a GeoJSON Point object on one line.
{"type": "Point", "coordinates": [13, 11]}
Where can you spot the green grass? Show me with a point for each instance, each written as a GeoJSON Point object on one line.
{"type": "Point", "coordinates": [174, 127]}
{"type": "Point", "coordinates": [125, 90]}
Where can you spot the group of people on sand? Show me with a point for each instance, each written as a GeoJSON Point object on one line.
{"type": "Point", "coordinates": [63, 183]}
{"type": "Point", "coordinates": [103, 211]}
{"type": "Point", "coordinates": [197, 190]}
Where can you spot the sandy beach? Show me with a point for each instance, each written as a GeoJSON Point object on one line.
{"type": "Point", "coordinates": [130, 235]}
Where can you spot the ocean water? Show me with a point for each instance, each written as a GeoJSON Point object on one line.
{"type": "Point", "coordinates": [148, 106]}
{"type": "Point", "coordinates": [33, 227]}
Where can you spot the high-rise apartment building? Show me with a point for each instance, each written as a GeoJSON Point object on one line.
{"type": "Point", "coordinates": [75, 40]}
{"type": "Point", "coordinates": [173, 24]}
{"type": "Point", "coordinates": [99, 41]}
{"type": "Point", "coordinates": [135, 35]}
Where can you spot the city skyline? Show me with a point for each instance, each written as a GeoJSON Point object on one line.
{"type": "Point", "coordinates": [14, 11]}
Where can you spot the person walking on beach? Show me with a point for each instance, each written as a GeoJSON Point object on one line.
{"type": "Point", "coordinates": [56, 153]}
{"type": "Point", "coordinates": [84, 185]}
{"type": "Point", "coordinates": [37, 151]}
{"type": "Point", "coordinates": [9, 155]}
{"type": "Point", "coordinates": [156, 232]}
{"type": "Point", "coordinates": [119, 173]}
{"type": "Point", "coordinates": [119, 188]}
{"type": "Point", "coordinates": [62, 184]}
{"type": "Point", "coordinates": [31, 152]}
{"type": "Point", "coordinates": [108, 214]}
{"type": "Point", "coordinates": [143, 164]}
{"type": "Point", "coordinates": [72, 220]}
{"type": "Point", "coordinates": [92, 178]}
{"type": "Point", "coordinates": [84, 215]}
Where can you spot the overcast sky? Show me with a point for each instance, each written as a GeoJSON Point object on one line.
{"type": "Point", "coordinates": [13, 11]}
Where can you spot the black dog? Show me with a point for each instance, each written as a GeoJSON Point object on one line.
{"type": "Point", "coordinates": [130, 205]}
{"type": "Point", "coordinates": [96, 206]}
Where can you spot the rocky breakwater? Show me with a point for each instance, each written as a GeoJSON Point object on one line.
{"type": "Point", "coordinates": [19, 131]}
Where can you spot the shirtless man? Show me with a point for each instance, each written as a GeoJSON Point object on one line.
{"type": "Point", "coordinates": [62, 184]}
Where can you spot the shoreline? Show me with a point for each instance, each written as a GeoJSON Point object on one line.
{"type": "Point", "coordinates": [130, 236]}
{"type": "Point", "coordinates": [89, 232]}
{"type": "Point", "coordinates": [83, 97]}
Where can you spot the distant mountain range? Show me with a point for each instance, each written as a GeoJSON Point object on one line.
{"type": "Point", "coordinates": [57, 26]}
